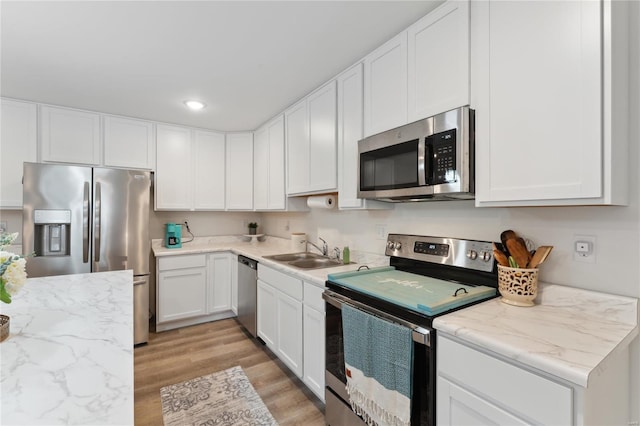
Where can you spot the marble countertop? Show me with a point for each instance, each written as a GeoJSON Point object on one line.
{"type": "Point", "coordinates": [269, 246]}
{"type": "Point", "coordinates": [570, 333]}
{"type": "Point", "coordinates": [69, 357]}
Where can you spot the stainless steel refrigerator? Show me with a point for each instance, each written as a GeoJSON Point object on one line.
{"type": "Point", "coordinates": [80, 219]}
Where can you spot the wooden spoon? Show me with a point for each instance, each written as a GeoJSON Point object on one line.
{"type": "Point", "coordinates": [540, 256]}
{"type": "Point", "coordinates": [519, 252]}
{"type": "Point", "coordinates": [500, 257]}
{"type": "Point", "coordinates": [504, 236]}
{"type": "Point", "coordinates": [529, 256]}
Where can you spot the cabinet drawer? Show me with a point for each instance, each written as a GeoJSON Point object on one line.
{"type": "Point", "coordinates": [523, 393]}
{"type": "Point", "coordinates": [181, 262]}
{"type": "Point", "coordinates": [313, 296]}
{"type": "Point", "coordinates": [285, 283]}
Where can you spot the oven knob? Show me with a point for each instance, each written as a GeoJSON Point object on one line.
{"type": "Point", "coordinates": [472, 254]}
{"type": "Point", "coordinates": [486, 256]}
{"type": "Point", "coordinates": [397, 246]}
{"type": "Point", "coordinates": [390, 245]}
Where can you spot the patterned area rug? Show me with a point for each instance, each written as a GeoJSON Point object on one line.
{"type": "Point", "coordinates": [223, 398]}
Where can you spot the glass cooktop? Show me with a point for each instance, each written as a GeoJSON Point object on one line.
{"type": "Point", "coordinates": [426, 295]}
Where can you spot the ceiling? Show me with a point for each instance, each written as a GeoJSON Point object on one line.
{"type": "Point", "coordinates": [247, 60]}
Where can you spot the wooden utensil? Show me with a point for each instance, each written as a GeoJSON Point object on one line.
{"type": "Point", "coordinates": [524, 244]}
{"type": "Point", "coordinates": [500, 257]}
{"type": "Point", "coordinates": [518, 250]}
{"type": "Point", "coordinates": [504, 236]}
{"type": "Point", "coordinates": [540, 256]}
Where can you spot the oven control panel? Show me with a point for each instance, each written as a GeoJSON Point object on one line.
{"type": "Point", "coordinates": [471, 254]}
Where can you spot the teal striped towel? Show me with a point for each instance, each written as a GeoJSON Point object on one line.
{"type": "Point", "coordinates": [378, 359]}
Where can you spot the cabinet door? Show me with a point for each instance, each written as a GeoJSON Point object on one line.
{"type": "Point", "coordinates": [314, 343]}
{"type": "Point", "coordinates": [538, 101]}
{"type": "Point", "coordinates": [438, 69]}
{"type": "Point", "coordinates": [277, 199]}
{"type": "Point", "coordinates": [385, 86]}
{"type": "Point", "coordinates": [174, 171]}
{"type": "Point", "coordinates": [267, 313]}
{"type": "Point", "coordinates": [261, 169]}
{"type": "Point", "coordinates": [128, 143]}
{"type": "Point", "coordinates": [297, 139]}
{"type": "Point", "coordinates": [233, 259]}
{"type": "Point", "coordinates": [322, 139]}
{"type": "Point", "coordinates": [209, 168]}
{"type": "Point", "coordinates": [239, 171]}
{"type": "Point", "coordinates": [182, 294]}
{"type": "Point", "coordinates": [456, 406]}
{"type": "Point", "coordinates": [289, 332]}
{"type": "Point", "coordinates": [219, 283]}
{"type": "Point", "coordinates": [70, 136]}
{"type": "Point", "coordinates": [18, 143]}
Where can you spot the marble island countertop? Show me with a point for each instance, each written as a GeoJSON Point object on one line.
{"type": "Point", "coordinates": [570, 333]}
{"type": "Point", "coordinates": [69, 356]}
{"type": "Point", "coordinates": [265, 247]}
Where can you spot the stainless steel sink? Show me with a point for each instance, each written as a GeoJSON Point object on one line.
{"type": "Point", "coordinates": [305, 260]}
{"type": "Point", "coordinates": [288, 257]}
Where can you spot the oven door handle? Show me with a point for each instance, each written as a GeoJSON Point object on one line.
{"type": "Point", "coordinates": [419, 334]}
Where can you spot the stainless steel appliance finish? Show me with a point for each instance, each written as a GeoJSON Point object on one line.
{"type": "Point", "coordinates": [456, 261]}
{"type": "Point", "coordinates": [430, 159]}
{"type": "Point", "coordinates": [247, 293]}
{"type": "Point", "coordinates": [81, 219]}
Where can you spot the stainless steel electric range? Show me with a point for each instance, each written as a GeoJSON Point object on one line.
{"type": "Point", "coordinates": [427, 277]}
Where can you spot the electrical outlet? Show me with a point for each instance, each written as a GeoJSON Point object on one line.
{"type": "Point", "coordinates": [584, 248]}
{"type": "Point", "coordinates": [381, 231]}
{"type": "Point", "coordinates": [3, 226]}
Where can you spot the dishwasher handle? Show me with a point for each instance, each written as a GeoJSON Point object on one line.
{"type": "Point", "coordinates": [248, 262]}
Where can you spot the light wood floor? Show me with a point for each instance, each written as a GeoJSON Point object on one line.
{"type": "Point", "coordinates": [178, 355]}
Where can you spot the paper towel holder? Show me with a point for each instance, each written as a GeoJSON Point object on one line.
{"type": "Point", "coordinates": [324, 201]}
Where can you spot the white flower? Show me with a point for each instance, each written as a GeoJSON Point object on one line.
{"type": "Point", "coordinates": [15, 276]}
{"type": "Point", "coordinates": [7, 239]}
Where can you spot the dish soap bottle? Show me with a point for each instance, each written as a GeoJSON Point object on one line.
{"type": "Point", "coordinates": [345, 255]}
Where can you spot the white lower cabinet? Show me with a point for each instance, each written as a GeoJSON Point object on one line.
{"type": "Point", "coordinates": [291, 323]}
{"type": "Point", "coordinates": [280, 316]}
{"type": "Point", "coordinates": [192, 289]}
{"type": "Point", "coordinates": [234, 283]}
{"type": "Point", "coordinates": [475, 387]}
{"type": "Point", "coordinates": [313, 312]}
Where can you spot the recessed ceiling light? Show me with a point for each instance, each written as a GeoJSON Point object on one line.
{"type": "Point", "coordinates": [194, 105]}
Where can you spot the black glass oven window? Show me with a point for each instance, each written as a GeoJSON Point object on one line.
{"type": "Point", "coordinates": [390, 167]}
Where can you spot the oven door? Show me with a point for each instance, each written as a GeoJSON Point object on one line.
{"type": "Point", "coordinates": [338, 409]}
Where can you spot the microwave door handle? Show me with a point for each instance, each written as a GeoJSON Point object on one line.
{"type": "Point", "coordinates": [422, 162]}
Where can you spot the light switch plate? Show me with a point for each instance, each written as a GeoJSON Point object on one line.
{"type": "Point", "coordinates": [381, 231]}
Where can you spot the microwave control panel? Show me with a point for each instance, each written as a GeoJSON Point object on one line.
{"type": "Point", "coordinates": [443, 149]}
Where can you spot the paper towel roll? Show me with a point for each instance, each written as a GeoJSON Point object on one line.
{"type": "Point", "coordinates": [321, 202]}
{"type": "Point", "coordinates": [298, 241]}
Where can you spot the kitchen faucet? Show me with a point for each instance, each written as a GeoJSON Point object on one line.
{"type": "Point", "coordinates": [325, 247]}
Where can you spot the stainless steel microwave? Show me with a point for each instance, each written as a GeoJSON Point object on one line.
{"type": "Point", "coordinates": [430, 159]}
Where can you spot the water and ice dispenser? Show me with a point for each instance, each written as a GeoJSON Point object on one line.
{"type": "Point", "coordinates": [52, 232]}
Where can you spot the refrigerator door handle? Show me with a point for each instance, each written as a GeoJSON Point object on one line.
{"type": "Point", "coordinates": [97, 219]}
{"type": "Point", "coordinates": [85, 224]}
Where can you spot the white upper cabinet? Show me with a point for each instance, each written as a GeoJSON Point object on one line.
{"type": "Point", "coordinates": [322, 139]}
{"type": "Point", "coordinates": [297, 138]}
{"type": "Point", "coordinates": [174, 171]}
{"type": "Point", "coordinates": [549, 86]}
{"type": "Point", "coordinates": [350, 122]}
{"type": "Point", "coordinates": [385, 86]}
{"type": "Point", "coordinates": [438, 69]}
{"type": "Point", "coordinates": [239, 174]}
{"type": "Point", "coordinates": [18, 143]}
{"type": "Point", "coordinates": [70, 136]}
{"type": "Point", "coordinates": [190, 169]}
{"type": "Point", "coordinates": [128, 143]}
{"type": "Point", "coordinates": [209, 168]}
{"type": "Point", "coordinates": [268, 166]}
{"type": "Point", "coordinates": [310, 128]}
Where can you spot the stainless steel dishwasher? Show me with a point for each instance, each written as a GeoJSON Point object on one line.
{"type": "Point", "coordinates": [247, 293]}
